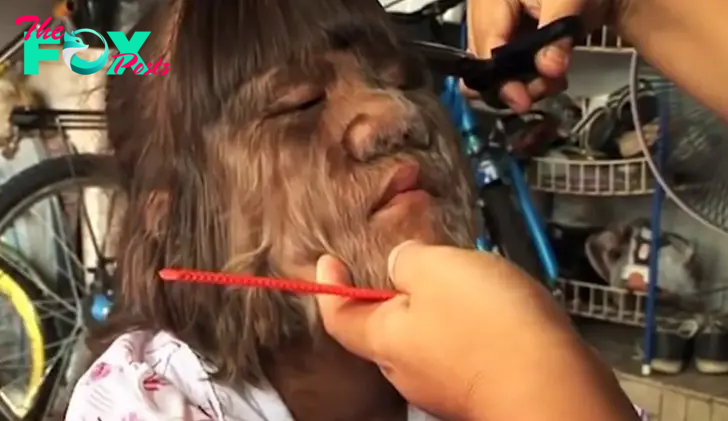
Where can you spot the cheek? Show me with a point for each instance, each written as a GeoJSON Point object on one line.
{"type": "Point", "coordinates": [311, 203]}
{"type": "Point", "coordinates": [303, 128]}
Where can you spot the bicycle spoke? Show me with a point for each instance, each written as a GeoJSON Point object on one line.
{"type": "Point", "coordinates": [58, 343]}
{"type": "Point", "coordinates": [16, 379]}
{"type": "Point", "coordinates": [62, 357]}
{"type": "Point", "coordinates": [71, 255]}
{"type": "Point", "coordinates": [57, 315]}
{"type": "Point", "coordinates": [47, 226]}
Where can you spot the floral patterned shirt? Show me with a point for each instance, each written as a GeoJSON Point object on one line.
{"type": "Point", "coordinates": [145, 376]}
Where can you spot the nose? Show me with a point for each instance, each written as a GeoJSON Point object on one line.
{"type": "Point", "coordinates": [384, 122]}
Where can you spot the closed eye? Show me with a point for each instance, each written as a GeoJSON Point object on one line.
{"type": "Point", "coordinates": [308, 104]}
{"type": "Point", "coordinates": [297, 100]}
{"type": "Point", "coordinates": [410, 84]}
{"type": "Point", "coordinates": [285, 108]}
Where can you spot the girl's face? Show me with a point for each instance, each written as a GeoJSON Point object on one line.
{"type": "Point", "coordinates": [364, 159]}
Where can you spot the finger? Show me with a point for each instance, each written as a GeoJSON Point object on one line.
{"type": "Point", "coordinates": [520, 97]}
{"type": "Point", "coordinates": [467, 92]}
{"type": "Point", "coordinates": [553, 60]}
{"type": "Point", "coordinates": [354, 324]}
{"type": "Point", "coordinates": [542, 87]}
{"type": "Point", "coordinates": [413, 266]}
{"type": "Point", "coordinates": [405, 263]}
{"type": "Point", "coordinates": [516, 96]}
{"type": "Point", "coordinates": [513, 94]}
{"type": "Point", "coordinates": [394, 255]}
{"type": "Point", "coordinates": [554, 10]}
{"type": "Point", "coordinates": [490, 24]}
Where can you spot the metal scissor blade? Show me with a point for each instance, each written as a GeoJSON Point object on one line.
{"type": "Point", "coordinates": [452, 61]}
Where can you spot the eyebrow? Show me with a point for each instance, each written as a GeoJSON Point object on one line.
{"type": "Point", "coordinates": [319, 71]}
{"type": "Point", "coordinates": [313, 68]}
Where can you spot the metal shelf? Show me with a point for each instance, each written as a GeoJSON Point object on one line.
{"type": "Point", "coordinates": [604, 39]}
{"type": "Point", "coordinates": [587, 177]}
{"type": "Point", "coordinates": [610, 304]}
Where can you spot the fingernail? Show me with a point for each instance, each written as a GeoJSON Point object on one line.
{"type": "Point", "coordinates": [514, 105]}
{"type": "Point", "coordinates": [554, 56]}
{"type": "Point", "coordinates": [395, 253]}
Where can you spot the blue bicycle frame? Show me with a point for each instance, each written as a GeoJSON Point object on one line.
{"type": "Point", "coordinates": [492, 166]}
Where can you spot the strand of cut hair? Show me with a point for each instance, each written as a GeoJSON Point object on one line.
{"type": "Point", "coordinates": [299, 287]}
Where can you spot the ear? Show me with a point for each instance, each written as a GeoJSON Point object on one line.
{"type": "Point", "coordinates": [156, 209]}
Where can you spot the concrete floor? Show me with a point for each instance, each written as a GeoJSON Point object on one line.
{"type": "Point", "coordinates": [688, 396]}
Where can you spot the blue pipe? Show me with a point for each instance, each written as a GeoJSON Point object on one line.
{"type": "Point", "coordinates": [535, 225]}
{"type": "Point", "coordinates": [471, 143]}
{"type": "Point", "coordinates": [658, 198]}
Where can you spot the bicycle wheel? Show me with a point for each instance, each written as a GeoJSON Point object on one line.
{"type": "Point", "coordinates": [65, 293]}
{"type": "Point", "coordinates": [20, 386]}
{"type": "Point", "coordinates": [508, 230]}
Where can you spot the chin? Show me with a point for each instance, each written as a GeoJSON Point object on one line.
{"type": "Point", "coordinates": [415, 226]}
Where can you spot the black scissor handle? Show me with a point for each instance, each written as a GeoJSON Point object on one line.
{"type": "Point", "coordinates": [517, 59]}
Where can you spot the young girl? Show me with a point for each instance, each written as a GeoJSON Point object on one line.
{"type": "Point", "coordinates": [283, 130]}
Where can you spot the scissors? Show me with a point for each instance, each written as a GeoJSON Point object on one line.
{"type": "Point", "coordinates": [515, 61]}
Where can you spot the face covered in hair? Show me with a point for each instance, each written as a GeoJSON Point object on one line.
{"type": "Point", "coordinates": [364, 159]}
{"type": "Point", "coordinates": [314, 132]}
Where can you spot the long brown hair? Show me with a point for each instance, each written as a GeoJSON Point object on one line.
{"type": "Point", "coordinates": [200, 178]}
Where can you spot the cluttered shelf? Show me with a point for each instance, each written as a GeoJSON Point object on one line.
{"type": "Point", "coordinates": [604, 39]}
{"type": "Point", "coordinates": [586, 176]}
{"type": "Point", "coordinates": [612, 304]}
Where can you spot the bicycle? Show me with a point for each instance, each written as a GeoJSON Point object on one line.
{"type": "Point", "coordinates": [66, 299]}
{"type": "Point", "coordinates": [19, 291]}
{"type": "Point", "coordinates": [519, 238]}
{"type": "Point", "coordinates": [496, 171]}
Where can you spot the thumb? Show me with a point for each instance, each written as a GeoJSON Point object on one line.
{"type": "Point", "coordinates": [354, 324]}
{"type": "Point", "coordinates": [490, 24]}
{"type": "Point", "coordinates": [553, 60]}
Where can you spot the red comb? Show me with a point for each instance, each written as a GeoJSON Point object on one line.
{"type": "Point", "coordinates": [299, 287]}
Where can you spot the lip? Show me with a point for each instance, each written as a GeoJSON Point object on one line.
{"type": "Point", "coordinates": [404, 184]}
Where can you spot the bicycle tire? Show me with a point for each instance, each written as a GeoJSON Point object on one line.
{"type": "Point", "coordinates": [507, 228]}
{"type": "Point", "coordinates": [25, 186]}
{"type": "Point", "coordinates": [19, 193]}
{"type": "Point", "coordinates": [21, 292]}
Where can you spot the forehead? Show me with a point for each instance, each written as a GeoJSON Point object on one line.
{"type": "Point", "coordinates": [222, 46]}
{"type": "Point", "coordinates": [367, 45]}
{"type": "Point", "coordinates": [328, 65]}
{"type": "Point", "coordinates": [291, 39]}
